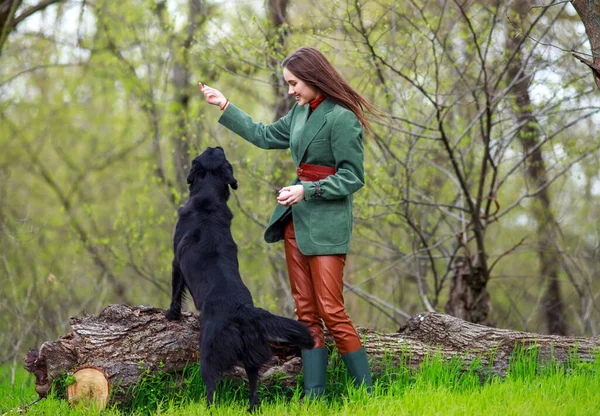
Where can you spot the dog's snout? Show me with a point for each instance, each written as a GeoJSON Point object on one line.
{"type": "Point", "coordinates": [218, 151]}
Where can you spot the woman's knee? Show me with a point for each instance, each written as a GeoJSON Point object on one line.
{"type": "Point", "coordinates": [333, 315]}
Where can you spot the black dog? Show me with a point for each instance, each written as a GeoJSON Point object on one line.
{"type": "Point", "coordinates": [231, 329]}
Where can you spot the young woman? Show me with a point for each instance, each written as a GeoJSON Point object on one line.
{"type": "Point", "coordinates": [324, 132]}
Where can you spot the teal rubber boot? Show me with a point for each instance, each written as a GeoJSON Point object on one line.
{"type": "Point", "coordinates": [357, 364]}
{"type": "Point", "coordinates": [315, 372]}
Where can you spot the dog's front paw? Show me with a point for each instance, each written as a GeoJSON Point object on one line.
{"type": "Point", "coordinates": [173, 315]}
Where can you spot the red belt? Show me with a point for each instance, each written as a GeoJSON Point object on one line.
{"type": "Point", "coordinates": [308, 172]}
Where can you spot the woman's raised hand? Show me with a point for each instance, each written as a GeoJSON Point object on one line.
{"type": "Point", "coordinates": [212, 95]}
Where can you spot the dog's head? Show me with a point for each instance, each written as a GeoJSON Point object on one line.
{"type": "Point", "coordinates": [211, 169]}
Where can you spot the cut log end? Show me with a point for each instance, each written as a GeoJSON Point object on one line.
{"type": "Point", "coordinates": [91, 387]}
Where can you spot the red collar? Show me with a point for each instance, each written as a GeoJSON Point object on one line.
{"type": "Point", "coordinates": [315, 103]}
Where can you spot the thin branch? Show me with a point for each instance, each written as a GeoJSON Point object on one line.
{"type": "Point", "coordinates": [31, 10]}
{"type": "Point", "coordinates": [543, 186]}
{"type": "Point", "coordinates": [378, 303]}
{"type": "Point", "coordinates": [40, 67]}
{"type": "Point", "coordinates": [507, 252]}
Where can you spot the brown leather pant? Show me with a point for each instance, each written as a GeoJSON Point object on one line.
{"type": "Point", "coordinates": [317, 285]}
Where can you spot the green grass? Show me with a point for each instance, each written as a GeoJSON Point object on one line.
{"type": "Point", "coordinates": [438, 388]}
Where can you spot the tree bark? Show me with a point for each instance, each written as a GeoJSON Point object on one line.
{"type": "Point", "coordinates": [9, 19]}
{"type": "Point", "coordinates": [180, 45]}
{"type": "Point", "coordinates": [589, 13]}
{"type": "Point", "coordinates": [8, 9]}
{"type": "Point", "coordinates": [469, 298]}
{"type": "Point", "coordinates": [277, 12]}
{"type": "Point", "coordinates": [126, 341]}
{"type": "Point", "coordinates": [277, 39]}
{"type": "Point", "coordinates": [537, 175]}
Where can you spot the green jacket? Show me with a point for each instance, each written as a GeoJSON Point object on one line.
{"type": "Point", "coordinates": [331, 136]}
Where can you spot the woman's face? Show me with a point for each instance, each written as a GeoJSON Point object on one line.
{"type": "Point", "coordinates": [298, 88]}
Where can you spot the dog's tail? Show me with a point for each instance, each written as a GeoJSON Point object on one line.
{"type": "Point", "coordinates": [279, 329]}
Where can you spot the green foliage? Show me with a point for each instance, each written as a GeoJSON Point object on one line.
{"type": "Point", "coordinates": [436, 387]}
{"type": "Point", "coordinates": [149, 394]}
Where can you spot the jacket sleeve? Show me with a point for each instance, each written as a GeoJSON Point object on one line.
{"type": "Point", "coordinates": [348, 152]}
{"type": "Point", "coordinates": [272, 136]}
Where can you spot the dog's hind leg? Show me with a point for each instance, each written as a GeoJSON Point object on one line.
{"type": "Point", "coordinates": [210, 381]}
{"type": "Point", "coordinates": [178, 286]}
{"type": "Point", "coordinates": [252, 373]}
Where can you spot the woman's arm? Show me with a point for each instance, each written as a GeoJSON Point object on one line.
{"type": "Point", "coordinates": [272, 136]}
{"type": "Point", "coordinates": [348, 151]}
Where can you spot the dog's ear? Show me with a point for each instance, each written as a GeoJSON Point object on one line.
{"type": "Point", "coordinates": [193, 171]}
{"type": "Point", "coordinates": [231, 181]}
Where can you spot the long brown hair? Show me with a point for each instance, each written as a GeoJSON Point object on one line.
{"type": "Point", "coordinates": [311, 66]}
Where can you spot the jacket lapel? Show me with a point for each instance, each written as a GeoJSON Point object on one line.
{"type": "Point", "coordinates": [306, 129]}
{"type": "Point", "coordinates": [298, 131]}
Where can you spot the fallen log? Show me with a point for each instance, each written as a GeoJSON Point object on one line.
{"type": "Point", "coordinates": [124, 342]}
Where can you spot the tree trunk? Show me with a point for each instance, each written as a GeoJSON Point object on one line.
{"type": "Point", "coordinates": [181, 136]}
{"type": "Point", "coordinates": [124, 341]}
{"type": "Point", "coordinates": [277, 12]}
{"type": "Point", "coordinates": [8, 9]}
{"type": "Point", "coordinates": [469, 298]}
{"type": "Point", "coordinates": [529, 136]}
{"type": "Point", "coordinates": [589, 13]}
{"type": "Point", "coordinates": [9, 19]}
{"type": "Point", "coordinates": [277, 15]}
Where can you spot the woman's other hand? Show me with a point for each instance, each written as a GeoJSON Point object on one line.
{"type": "Point", "coordinates": [290, 195]}
{"type": "Point", "coordinates": [212, 96]}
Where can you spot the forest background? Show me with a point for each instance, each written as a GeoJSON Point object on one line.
{"type": "Point", "coordinates": [482, 192]}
